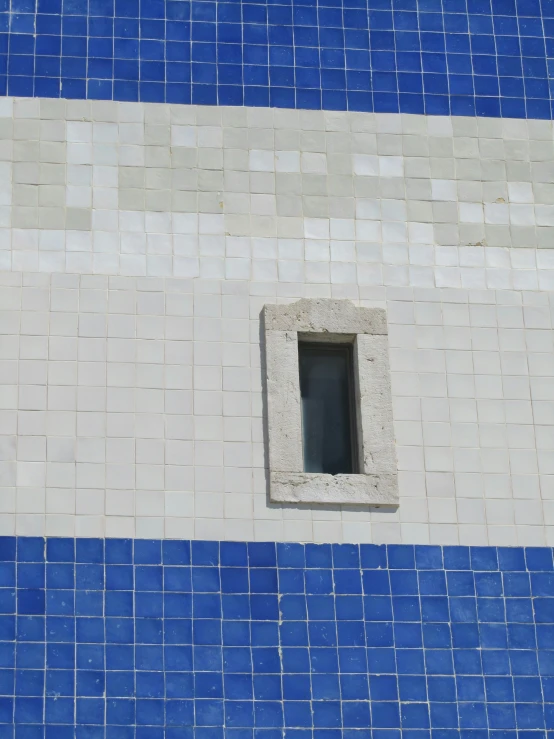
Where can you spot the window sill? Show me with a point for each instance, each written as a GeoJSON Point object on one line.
{"type": "Point", "coordinates": [304, 487]}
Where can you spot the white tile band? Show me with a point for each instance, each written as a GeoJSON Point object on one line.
{"type": "Point", "coordinates": [275, 195]}
{"type": "Point", "coordinates": [132, 407]}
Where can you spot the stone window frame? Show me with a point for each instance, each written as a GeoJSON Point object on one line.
{"type": "Point", "coordinates": [328, 320]}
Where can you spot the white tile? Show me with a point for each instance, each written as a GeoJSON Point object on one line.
{"type": "Point", "coordinates": [116, 404]}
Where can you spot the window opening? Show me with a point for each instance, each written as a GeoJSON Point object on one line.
{"type": "Point", "coordinates": [328, 408]}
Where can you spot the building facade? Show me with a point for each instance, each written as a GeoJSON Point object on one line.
{"type": "Point", "coordinates": [171, 172]}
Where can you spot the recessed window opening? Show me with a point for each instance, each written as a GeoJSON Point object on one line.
{"type": "Point", "coordinates": [328, 408]}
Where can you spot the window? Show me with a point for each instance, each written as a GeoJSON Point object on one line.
{"type": "Point", "coordinates": [328, 403]}
{"type": "Point", "coordinates": [328, 410]}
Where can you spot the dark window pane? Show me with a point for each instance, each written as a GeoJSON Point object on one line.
{"type": "Point", "coordinates": [327, 412]}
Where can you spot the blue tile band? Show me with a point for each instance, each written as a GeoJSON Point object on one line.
{"type": "Point", "coordinates": [438, 57]}
{"type": "Point", "coordinates": [118, 639]}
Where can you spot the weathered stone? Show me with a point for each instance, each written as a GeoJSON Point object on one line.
{"type": "Point", "coordinates": [303, 487]}
{"type": "Point", "coordinates": [330, 320]}
{"type": "Point", "coordinates": [325, 316]}
{"type": "Point", "coordinates": [283, 402]}
{"type": "Point", "coordinates": [375, 405]}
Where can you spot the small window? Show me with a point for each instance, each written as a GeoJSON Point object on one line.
{"type": "Point", "coordinates": [328, 408]}
{"type": "Point", "coordinates": [330, 428]}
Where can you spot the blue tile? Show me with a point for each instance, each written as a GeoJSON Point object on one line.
{"type": "Point", "coordinates": [119, 551]}
{"type": "Point", "coordinates": [30, 602]}
{"type": "Point", "coordinates": [347, 582]}
{"type": "Point", "coordinates": [264, 633]}
{"type": "Point", "coordinates": [147, 552]}
{"type": "Point", "coordinates": [119, 577]}
{"type": "Point", "coordinates": [89, 577]}
{"type": "Point", "coordinates": [346, 556]}
{"type": "Point", "coordinates": [291, 581]}
{"type": "Point", "coordinates": [460, 583]}
{"type": "Point", "coordinates": [263, 580]}
{"type": "Point", "coordinates": [432, 582]}
{"type": "Point", "coordinates": [373, 556]}
{"type": "Point", "coordinates": [544, 610]}
{"type": "Point", "coordinates": [60, 550]}
{"type": "Point", "coordinates": [349, 608]}
{"type": "Point", "coordinates": [472, 653]}
{"type": "Point", "coordinates": [233, 554]}
{"type": "Point", "coordinates": [30, 549]}
{"type": "Point", "coordinates": [205, 553]}
{"type": "Point", "coordinates": [428, 557]}
{"type": "Point", "coordinates": [406, 608]}
{"type": "Point", "coordinates": [491, 609]}
{"type": "Point", "coordinates": [456, 558]}
{"type": "Point", "coordinates": [401, 556]}
{"type": "Point", "coordinates": [465, 635]}
{"type": "Point", "coordinates": [544, 639]}
{"type": "Point", "coordinates": [7, 548]}
{"type": "Point", "coordinates": [319, 556]}
{"type": "Point", "coordinates": [376, 582]}
{"type": "Point", "coordinates": [7, 574]}
{"type": "Point", "coordinates": [516, 584]}
{"type": "Point", "coordinates": [484, 558]}
{"type": "Point", "coordinates": [31, 575]}
{"type": "Point", "coordinates": [262, 554]}
{"type": "Point", "coordinates": [89, 550]}
{"type": "Point", "coordinates": [60, 602]}
{"type": "Point", "coordinates": [88, 603]}
{"type": "Point", "coordinates": [538, 559]}
{"type": "Point", "coordinates": [149, 578]}
{"type": "Point", "coordinates": [205, 579]}
{"type": "Point", "coordinates": [463, 609]}
{"type": "Point", "coordinates": [436, 635]}
{"type": "Point", "coordinates": [522, 636]}
{"type": "Point", "coordinates": [319, 581]}
{"type": "Point", "coordinates": [176, 552]}
{"type": "Point", "coordinates": [404, 582]}
{"type": "Point", "coordinates": [410, 661]}
{"type": "Point", "coordinates": [291, 555]}
{"type": "Point", "coordinates": [542, 584]}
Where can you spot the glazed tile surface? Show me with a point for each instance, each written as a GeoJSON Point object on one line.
{"type": "Point", "coordinates": [179, 639]}
{"type": "Point", "coordinates": [436, 58]}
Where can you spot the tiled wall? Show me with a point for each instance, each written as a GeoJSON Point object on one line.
{"type": "Point", "coordinates": [287, 196]}
{"type": "Point", "coordinates": [466, 58]}
{"type": "Point", "coordinates": [133, 406]}
{"type": "Point", "coordinates": [144, 223]}
{"type": "Point", "coordinates": [164, 640]}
